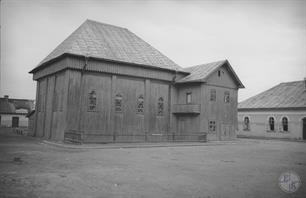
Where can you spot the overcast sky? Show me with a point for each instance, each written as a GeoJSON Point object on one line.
{"type": "Point", "coordinates": [265, 41]}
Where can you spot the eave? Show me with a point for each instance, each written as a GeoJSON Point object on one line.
{"type": "Point", "coordinates": [272, 109]}
{"type": "Point", "coordinates": [47, 63]}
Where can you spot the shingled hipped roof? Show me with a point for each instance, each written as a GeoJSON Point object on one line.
{"type": "Point", "coordinates": [200, 73]}
{"type": "Point", "coordinates": [108, 42]}
{"type": "Point", "coordinates": [284, 95]}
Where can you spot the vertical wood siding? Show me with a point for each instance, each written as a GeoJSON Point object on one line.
{"type": "Point", "coordinates": [41, 109]}
{"type": "Point", "coordinates": [51, 102]}
{"type": "Point", "coordinates": [188, 126]}
{"type": "Point", "coordinates": [63, 104]}
{"type": "Point", "coordinates": [96, 124]}
{"type": "Point", "coordinates": [59, 99]}
{"type": "Point", "coordinates": [225, 114]}
{"type": "Point", "coordinates": [158, 124]}
{"type": "Point", "coordinates": [48, 107]}
{"type": "Point", "coordinates": [73, 103]}
{"type": "Point", "coordinates": [129, 125]}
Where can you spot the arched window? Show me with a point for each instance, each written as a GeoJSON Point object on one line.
{"type": "Point", "coordinates": [140, 104]}
{"type": "Point", "coordinates": [92, 101]}
{"type": "Point", "coordinates": [160, 106]}
{"type": "Point", "coordinates": [118, 103]}
{"type": "Point", "coordinates": [285, 123]}
{"type": "Point", "coordinates": [271, 124]}
{"type": "Point", "coordinates": [246, 124]}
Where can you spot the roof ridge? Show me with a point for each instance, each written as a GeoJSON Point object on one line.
{"type": "Point", "coordinates": [224, 60]}
{"type": "Point", "coordinates": [291, 82]}
{"type": "Point", "coordinates": [107, 24]}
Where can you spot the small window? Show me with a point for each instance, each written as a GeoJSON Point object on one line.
{"type": "Point", "coordinates": [271, 124]}
{"type": "Point", "coordinates": [92, 101]}
{"type": "Point", "coordinates": [118, 103]}
{"type": "Point", "coordinates": [226, 97]}
{"type": "Point", "coordinates": [285, 124]}
{"type": "Point", "coordinates": [188, 97]}
{"type": "Point", "coordinates": [160, 107]}
{"type": "Point", "coordinates": [246, 124]}
{"type": "Point", "coordinates": [140, 104]}
{"type": "Point", "coordinates": [212, 95]}
{"type": "Point", "coordinates": [219, 73]}
{"type": "Point", "coordinates": [212, 126]}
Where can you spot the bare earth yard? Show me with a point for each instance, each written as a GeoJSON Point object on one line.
{"type": "Point", "coordinates": [243, 168]}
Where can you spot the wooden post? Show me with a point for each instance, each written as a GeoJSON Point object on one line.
{"type": "Point", "coordinates": [147, 108]}
{"type": "Point", "coordinates": [173, 119]}
{"type": "Point", "coordinates": [45, 108]}
{"type": "Point", "coordinates": [38, 101]}
{"type": "Point", "coordinates": [170, 119]}
{"type": "Point", "coordinates": [112, 111]}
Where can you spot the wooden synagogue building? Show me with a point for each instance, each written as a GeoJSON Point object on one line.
{"type": "Point", "coordinates": [105, 84]}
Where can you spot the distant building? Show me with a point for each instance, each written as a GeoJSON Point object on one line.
{"type": "Point", "coordinates": [279, 112]}
{"type": "Point", "coordinates": [105, 84]}
{"type": "Point", "coordinates": [13, 111]}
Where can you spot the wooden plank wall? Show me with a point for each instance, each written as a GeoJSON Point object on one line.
{"type": "Point", "coordinates": [188, 126]}
{"type": "Point", "coordinates": [97, 124]}
{"type": "Point", "coordinates": [73, 103]}
{"type": "Point", "coordinates": [49, 106]}
{"type": "Point", "coordinates": [225, 114]}
{"type": "Point", "coordinates": [63, 107]}
{"type": "Point", "coordinates": [106, 125]}
{"type": "Point", "coordinates": [59, 109]}
{"type": "Point", "coordinates": [158, 124]}
{"type": "Point", "coordinates": [41, 107]}
{"type": "Point", "coordinates": [50, 118]}
{"type": "Point", "coordinates": [129, 125]}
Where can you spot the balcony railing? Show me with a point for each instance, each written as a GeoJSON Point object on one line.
{"type": "Point", "coordinates": [186, 109]}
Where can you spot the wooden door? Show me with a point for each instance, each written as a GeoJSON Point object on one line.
{"type": "Point", "coordinates": [15, 121]}
{"type": "Point", "coordinates": [225, 131]}
{"type": "Point", "coordinates": [181, 128]}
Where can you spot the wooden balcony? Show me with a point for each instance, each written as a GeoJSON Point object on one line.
{"type": "Point", "coordinates": [186, 109]}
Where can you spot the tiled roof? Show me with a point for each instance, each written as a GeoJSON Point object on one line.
{"type": "Point", "coordinates": [200, 73]}
{"type": "Point", "coordinates": [104, 41]}
{"type": "Point", "coordinates": [10, 105]}
{"type": "Point", "coordinates": [284, 95]}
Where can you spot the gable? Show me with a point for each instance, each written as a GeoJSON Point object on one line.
{"type": "Point", "coordinates": [201, 73]}
{"type": "Point", "coordinates": [225, 79]}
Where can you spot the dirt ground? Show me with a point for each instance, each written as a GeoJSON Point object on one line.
{"type": "Point", "coordinates": [243, 168]}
